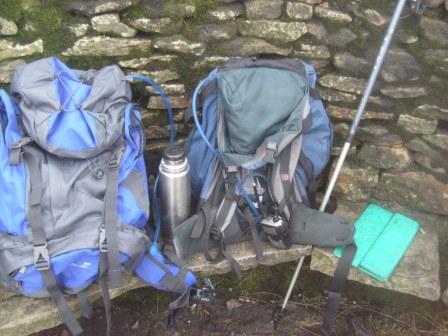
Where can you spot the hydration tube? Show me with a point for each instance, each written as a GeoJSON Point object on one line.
{"type": "Point", "coordinates": [165, 100]}
{"type": "Point", "coordinates": [249, 202]}
{"type": "Point", "coordinates": [211, 77]}
{"type": "Point", "coordinates": [154, 250]}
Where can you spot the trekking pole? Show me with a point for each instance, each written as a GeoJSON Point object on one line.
{"type": "Point", "coordinates": [417, 6]}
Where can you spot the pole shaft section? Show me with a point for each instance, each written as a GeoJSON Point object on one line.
{"type": "Point", "coordinates": [293, 282]}
{"type": "Point", "coordinates": [365, 98]}
{"type": "Point", "coordinates": [377, 67]}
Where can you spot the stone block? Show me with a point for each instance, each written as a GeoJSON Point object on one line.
{"type": "Point", "coordinates": [417, 274]}
{"type": "Point", "coordinates": [414, 189]}
{"type": "Point", "coordinates": [282, 31]}
{"type": "Point", "coordinates": [345, 113]}
{"type": "Point", "coordinates": [7, 69]}
{"type": "Point", "coordinates": [416, 125]}
{"type": "Point", "coordinates": [14, 50]}
{"type": "Point", "coordinates": [299, 11]}
{"type": "Point", "coordinates": [7, 27]}
{"type": "Point", "coordinates": [250, 46]}
{"type": "Point", "coordinates": [106, 46]}
{"type": "Point", "coordinates": [385, 157]}
{"type": "Point", "coordinates": [110, 23]}
{"type": "Point", "coordinates": [226, 12]}
{"type": "Point", "coordinates": [179, 44]}
{"type": "Point", "coordinates": [343, 83]}
{"type": "Point", "coordinates": [263, 9]}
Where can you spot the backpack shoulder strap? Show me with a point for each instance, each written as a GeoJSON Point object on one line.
{"type": "Point", "coordinates": [41, 254]}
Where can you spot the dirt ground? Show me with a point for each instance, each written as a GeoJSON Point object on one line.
{"type": "Point", "coordinates": [247, 310]}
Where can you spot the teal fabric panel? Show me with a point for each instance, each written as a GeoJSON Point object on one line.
{"type": "Point", "coordinates": [389, 248]}
{"type": "Point", "coordinates": [259, 105]}
{"type": "Point", "coordinates": [368, 227]}
{"type": "Point", "coordinates": [382, 238]}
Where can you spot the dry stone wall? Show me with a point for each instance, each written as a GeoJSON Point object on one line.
{"type": "Point", "coordinates": [400, 154]}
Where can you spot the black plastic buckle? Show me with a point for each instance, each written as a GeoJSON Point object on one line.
{"type": "Point", "coordinates": [114, 162]}
{"type": "Point", "coordinates": [333, 296]}
{"type": "Point", "coordinates": [41, 257]}
{"type": "Point", "coordinates": [231, 174]}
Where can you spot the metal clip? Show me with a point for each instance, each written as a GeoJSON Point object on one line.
{"type": "Point", "coordinates": [41, 257]}
{"type": "Point", "coordinates": [103, 240]}
{"type": "Point", "coordinates": [271, 150]}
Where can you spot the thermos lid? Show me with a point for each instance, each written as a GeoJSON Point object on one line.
{"type": "Point", "coordinates": [173, 153]}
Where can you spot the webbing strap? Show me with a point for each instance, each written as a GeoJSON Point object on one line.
{"type": "Point", "coordinates": [286, 182]}
{"type": "Point", "coordinates": [312, 185]}
{"type": "Point", "coordinates": [111, 223]}
{"type": "Point", "coordinates": [337, 284]}
{"type": "Point", "coordinates": [33, 160]}
{"type": "Point", "coordinates": [248, 215]}
{"type": "Point", "coordinates": [175, 283]}
{"type": "Point", "coordinates": [105, 291]}
{"type": "Point", "coordinates": [215, 228]}
{"type": "Point", "coordinates": [85, 306]}
{"type": "Point", "coordinates": [57, 296]}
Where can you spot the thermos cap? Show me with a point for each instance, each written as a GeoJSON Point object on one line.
{"type": "Point", "coordinates": [173, 153]}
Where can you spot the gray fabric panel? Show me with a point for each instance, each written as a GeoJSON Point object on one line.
{"type": "Point", "coordinates": [111, 222]}
{"type": "Point", "coordinates": [17, 252]}
{"type": "Point", "coordinates": [291, 64]}
{"type": "Point", "coordinates": [277, 187]}
{"type": "Point", "coordinates": [33, 86]}
{"type": "Point", "coordinates": [134, 182]}
{"type": "Point", "coordinates": [257, 106]}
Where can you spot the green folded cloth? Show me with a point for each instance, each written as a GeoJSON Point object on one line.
{"type": "Point", "coordinates": [382, 238]}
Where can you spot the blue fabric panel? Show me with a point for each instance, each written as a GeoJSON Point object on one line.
{"type": "Point", "coordinates": [71, 128]}
{"type": "Point", "coordinates": [152, 274]}
{"type": "Point", "coordinates": [131, 157]}
{"type": "Point", "coordinates": [200, 157]}
{"type": "Point", "coordinates": [128, 209]}
{"type": "Point", "coordinates": [318, 139]}
{"type": "Point", "coordinates": [73, 270]}
{"type": "Point", "coordinates": [12, 178]}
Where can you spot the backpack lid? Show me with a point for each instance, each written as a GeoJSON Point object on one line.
{"type": "Point", "coordinates": [261, 108]}
{"type": "Point", "coordinates": [71, 113]}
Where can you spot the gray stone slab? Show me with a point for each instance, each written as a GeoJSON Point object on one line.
{"type": "Point", "coordinates": [417, 274]}
{"type": "Point", "coordinates": [20, 315]}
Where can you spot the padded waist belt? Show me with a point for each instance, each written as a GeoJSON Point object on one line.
{"type": "Point", "coordinates": [307, 226]}
{"type": "Point", "coordinates": [312, 227]}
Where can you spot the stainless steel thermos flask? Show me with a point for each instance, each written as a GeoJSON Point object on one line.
{"type": "Point", "coordinates": [175, 189]}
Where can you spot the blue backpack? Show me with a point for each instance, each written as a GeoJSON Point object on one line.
{"type": "Point", "coordinates": [73, 187]}
{"type": "Point", "coordinates": [263, 140]}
